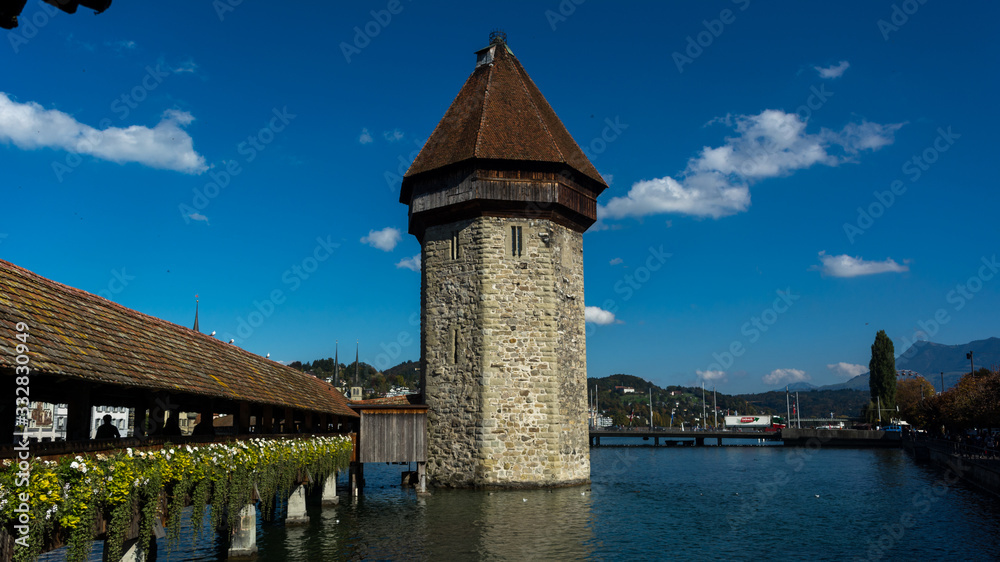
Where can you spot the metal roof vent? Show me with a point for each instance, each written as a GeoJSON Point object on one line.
{"type": "Point", "coordinates": [485, 56]}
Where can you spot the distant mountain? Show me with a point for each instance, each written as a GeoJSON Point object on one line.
{"type": "Point", "coordinates": [931, 359]}
{"type": "Point", "coordinates": [859, 382]}
{"type": "Point", "coordinates": [799, 386]}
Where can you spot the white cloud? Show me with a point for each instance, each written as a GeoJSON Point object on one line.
{"type": "Point", "coordinates": [198, 217]}
{"type": "Point", "coordinates": [710, 376]}
{"type": "Point", "coordinates": [599, 316]}
{"type": "Point", "coordinates": [847, 266]}
{"type": "Point", "coordinates": [188, 66]}
{"type": "Point", "coordinates": [167, 146]}
{"type": "Point", "coordinates": [412, 264]}
{"type": "Point", "coordinates": [615, 261]}
{"type": "Point", "coordinates": [366, 137]}
{"type": "Point", "coordinates": [785, 376]}
{"type": "Point", "coordinates": [847, 370]}
{"type": "Point", "coordinates": [394, 135]}
{"type": "Point", "coordinates": [834, 71]}
{"type": "Point", "coordinates": [123, 45]}
{"type": "Point", "coordinates": [716, 183]}
{"type": "Point", "coordinates": [385, 239]}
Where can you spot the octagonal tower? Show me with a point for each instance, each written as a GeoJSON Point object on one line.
{"type": "Point", "coordinates": [499, 198]}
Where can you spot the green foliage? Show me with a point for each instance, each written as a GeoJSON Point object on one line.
{"type": "Point", "coordinates": [405, 374]}
{"type": "Point", "coordinates": [812, 403]}
{"type": "Point", "coordinates": [882, 369]}
{"type": "Point", "coordinates": [69, 495]}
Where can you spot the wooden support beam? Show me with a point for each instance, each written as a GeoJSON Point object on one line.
{"type": "Point", "coordinates": [139, 417]}
{"type": "Point", "coordinates": [8, 421]}
{"type": "Point", "coordinates": [242, 420]}
{"type": "Point", "coordinates": [267, 419]}
{"type": "Point", "coordinates": [421, 477]}
{"type": "Point", "coordinates": [357, 478]}
{"type": "Point", "coordinates": [289, 421]}
{"type": "Point", "coordinates": [308, 426]}
{"type": "Point", "coordinates": [156, 419]}
{"type": "Point", "coordinates": [78, 425]}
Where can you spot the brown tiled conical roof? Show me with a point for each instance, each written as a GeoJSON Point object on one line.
{"type": "Point", "coordinates": [500, 114]}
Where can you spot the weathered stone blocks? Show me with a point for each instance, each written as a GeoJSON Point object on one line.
{"type": "Point", "coordinates": [504, 348]}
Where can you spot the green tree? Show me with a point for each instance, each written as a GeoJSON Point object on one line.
{"type": "Point", "coordinates": [882, 373]}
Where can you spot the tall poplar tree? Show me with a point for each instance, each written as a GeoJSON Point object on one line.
{"type": "Point", "coordinates": [882, 372]}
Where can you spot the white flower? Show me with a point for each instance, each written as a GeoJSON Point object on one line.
{"type": "Point", "coordinates": [74, 465]}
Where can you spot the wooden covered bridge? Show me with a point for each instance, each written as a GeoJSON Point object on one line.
{"type": "Point", "coordinates": [62, 345]}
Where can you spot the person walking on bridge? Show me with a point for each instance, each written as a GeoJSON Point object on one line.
{"type": "Point", "coordinates": [107, 430]}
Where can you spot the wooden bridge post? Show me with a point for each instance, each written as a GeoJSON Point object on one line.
{"type": "Point", "coordinates": [243, 419]}
{"type": "Point", "coordinates": [267, 419]}
{"type": "Point", "coordinates": [289, 426]}
{"type": "Point", "coordinates": [421, 477]}
{"type": "Point", "coordinates": [357, 478]}
{"type": "Point", "coordinates": [139, 418]}
{"type": "Point", "coordinates": [699, 441]}
{"type": "Point", "coordinates": [78, 415]}
{"type": "Point", "coordinates": [8, 425]}
{"type": "Point", "coordinates": [157, 415]}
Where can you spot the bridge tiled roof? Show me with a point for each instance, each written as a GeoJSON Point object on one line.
{"type": "Point", "coordinates": [500, 114]}
{"type": "Point", "coordinates": [83, 336]}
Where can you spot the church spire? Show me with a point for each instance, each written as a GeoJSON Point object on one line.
{"type": "Point", "coordinates": [196, 314]}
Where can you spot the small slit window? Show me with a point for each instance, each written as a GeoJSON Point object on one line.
{"type": "Point", "coordinates": [454, 245]}
{"type": "Point", "coordinates": [516, 246]}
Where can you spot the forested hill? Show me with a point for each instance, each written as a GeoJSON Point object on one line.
{"type": "Point", "coordinates": [814, 403]}
{"type": "Point", "coordinates": [405, 374]}
{"type": "Point", "coordinates": [687, 407]}
{"type": "Point", "coordinates": [684, 402]}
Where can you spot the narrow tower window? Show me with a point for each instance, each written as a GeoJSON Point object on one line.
{"type": "Point", "coordinates": [515, 241]}
{"type": "Point", "coordinates": [454, 346]}
{"type": "Point", "coordinates": [454, 245]}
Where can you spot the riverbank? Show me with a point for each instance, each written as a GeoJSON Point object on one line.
{"type": "Point", "coordinates": [980, 468]}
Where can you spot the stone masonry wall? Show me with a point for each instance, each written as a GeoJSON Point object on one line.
{"type": "Point", "coordinates": [503, 340]}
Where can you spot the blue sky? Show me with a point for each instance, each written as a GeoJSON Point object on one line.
{"type": "Point", "coordinates": [785, 180]}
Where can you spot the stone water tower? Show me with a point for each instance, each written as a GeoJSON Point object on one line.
{"type": "Point", "coordinates": [499, 198]}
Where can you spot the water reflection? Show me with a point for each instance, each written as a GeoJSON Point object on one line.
{"type": "Point", "coordinates": [388, 522]}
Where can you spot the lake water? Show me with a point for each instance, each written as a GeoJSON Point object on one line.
{"type": "Point", "coordinates": [688, 503]}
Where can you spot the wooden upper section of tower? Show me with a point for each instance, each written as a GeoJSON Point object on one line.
{"type": "Point", "coordinates": [500, 150]}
